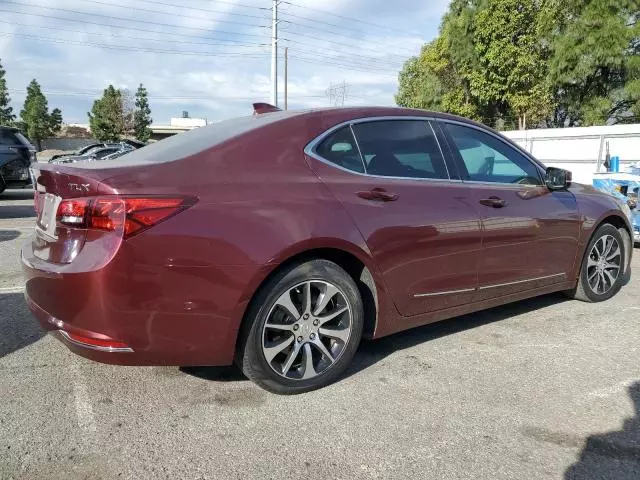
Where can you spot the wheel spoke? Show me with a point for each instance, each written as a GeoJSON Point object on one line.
{"type": "Point", "coordinates": [591, 262]}
{"type": "Point", "coordinates": [591, 275]}
{"type": "Point", "coordinates": [309, 371]}
{"type": "Point", "coordinates": [320, 346]}
{"type": "Point", "coordinates": [290, 358]}
{"type": "Point", "coordinates": [271, 352]}
{"type": "Point", "coordinates": [331, 315]}
{"type": "Point", "coordinates": [306, 298]}
{"type": "Point", "coordinates": [614, 253]}
{"type": "Point", "coordinates": [285, 302]}
{"type": "Point", "coordinates": [342, 334]}
{"type": "Point", "coordinates": [611, 278]}
{"type": "Point", "coordinates": [279, 326]}
{"type": "Point", "coordinates": [597, 283]}
{"type": "Point", "coordinates": [608, 244]}
{"type": "Point", "coordinates": [329, 292]}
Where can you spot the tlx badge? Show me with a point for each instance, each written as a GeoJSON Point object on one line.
{"type": "Point", "coordinates": [79, 187]}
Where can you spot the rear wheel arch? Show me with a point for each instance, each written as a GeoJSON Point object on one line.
{"type": "Point", "coordinates": [354, 265]}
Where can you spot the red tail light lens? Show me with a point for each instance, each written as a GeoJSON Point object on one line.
{"type": "Point", "coordinates": [132, 215]}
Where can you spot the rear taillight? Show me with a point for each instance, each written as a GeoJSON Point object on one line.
{"type": "Point", "coordinates": [129, 214]}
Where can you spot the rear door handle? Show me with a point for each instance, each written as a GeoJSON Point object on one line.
{"type": "Point", "coordinates": [379, 194]}
{"type": "Point", "coordinates": [494, 202]}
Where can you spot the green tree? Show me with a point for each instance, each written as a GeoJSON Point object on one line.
{"type": "Point", "coordinates": [595, 67]}
{"type": "Point", "coordinates": [55, 120]}
{"type": "Point", "coordinates": [35, 116]}
{"type": "Point", "coordinates": [6, 112]}
{"type": "Point", "coordinates": [531, 63]}
{"type": "Point", "coordinates": [106, 117]}
{"type": "Point", "coordinates": [142, 115]}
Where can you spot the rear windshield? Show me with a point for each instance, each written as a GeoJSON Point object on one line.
{"type": "Point", "coordinates": [194, 141]}
{"type": "Point", "coordinates": [10, 137]}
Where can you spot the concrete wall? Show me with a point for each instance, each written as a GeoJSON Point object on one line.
{"type": "Point", "coordinates": [580, 149]}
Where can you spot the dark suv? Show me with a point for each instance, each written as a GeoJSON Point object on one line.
{"type": "Point", "coordinates": [16, 156]}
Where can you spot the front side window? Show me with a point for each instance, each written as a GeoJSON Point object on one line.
{"type": "Point", "coordinates": [487, 159]}
{"type": "Point", "coordinates": [400, 148]}
{"type": "Point", "coordinates": [340, 149]}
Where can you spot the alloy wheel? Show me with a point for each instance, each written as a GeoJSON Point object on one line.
{"type": "Point", "coordinates": [604, 264]}
{"type": "Point", "coordinates": [307, 330]}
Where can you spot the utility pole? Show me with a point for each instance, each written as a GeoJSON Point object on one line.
{"type": "Point", "coordinates": [274, 53]}
{"type": "Point", "coordinates": [286, 76]}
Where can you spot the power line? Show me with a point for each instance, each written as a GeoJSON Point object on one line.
{"type": "Point", "coordinates": [184, 7]}
{"type": "Point", "coordinates": [359, 48]}
{"type": "Point", "coordinates": [85, 22]}
{"type": "Point", "coordinates": [352, 19]}
{"type": "Point", "coordinates": [131, 49]}
{"type": "Point", "coordinates": [84, 32]}
{"type": "Point", "coordinates": [21, 3]}
{"type": "Point", "coordinates": [199, 9]}
{"type": "Point", "coordinates": [366, 40]}
{"type": "Point", "coordinates": [148, 10]}
{"type": "Point", "coordinates": [345, 66]}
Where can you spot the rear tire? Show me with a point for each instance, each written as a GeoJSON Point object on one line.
{"type": "Point", "coordinates": [603, 268]}
{"type": "Point", "coordinates": [303, 328]}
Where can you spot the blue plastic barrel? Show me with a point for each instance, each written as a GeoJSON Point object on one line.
{"type": "Point", "coordinates": [614, 164]}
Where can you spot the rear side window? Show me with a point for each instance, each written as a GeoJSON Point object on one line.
{"type": "Point", "coordinates": [340, 149]}
{"type": "Point", "coordinates": [9, 137]}
{"type": "Point", "coordinates": [400, 148]}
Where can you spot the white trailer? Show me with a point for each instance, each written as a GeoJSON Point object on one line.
{"type": "Point", "coordinates": [581, 150]}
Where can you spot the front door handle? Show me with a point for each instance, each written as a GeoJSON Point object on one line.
{"type": "Point", "coordinates": [379, 194]}
{"type": "Point", "coordinates": [494, 202]}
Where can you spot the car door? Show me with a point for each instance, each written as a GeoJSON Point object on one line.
{"type": "Point", "coordinates": [530, 234]}
{"type": "Point", "coordinates": [391, 177]}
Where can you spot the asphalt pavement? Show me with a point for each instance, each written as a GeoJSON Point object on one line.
{"type": "Point", "coordinates": [541, 389]}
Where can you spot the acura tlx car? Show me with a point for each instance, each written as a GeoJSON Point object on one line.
{"type": "Point", "coordinates": [278, 241]}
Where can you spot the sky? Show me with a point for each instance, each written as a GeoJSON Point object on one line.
{"type": "Point", "coordinates": [210, 58]}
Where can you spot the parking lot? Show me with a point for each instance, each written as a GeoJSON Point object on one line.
{"type": "Point", "coordinates": [545, 388]}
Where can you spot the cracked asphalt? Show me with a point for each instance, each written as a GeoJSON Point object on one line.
{"type": "Point", "coordinates": [541, 389]}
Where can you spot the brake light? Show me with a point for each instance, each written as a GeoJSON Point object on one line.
{"type": "Point", "coordinates": [132, 215]}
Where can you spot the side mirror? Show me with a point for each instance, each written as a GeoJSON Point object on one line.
{"type": "Point", "coordinates": [557, 178]}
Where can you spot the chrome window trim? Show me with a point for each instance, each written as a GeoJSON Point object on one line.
{"type": "Point", "coordinates": [66, 336]}
{"type": "Point", "coordinates": [309, 149]}
{"type": "Point", "coordinates": [538, 166]}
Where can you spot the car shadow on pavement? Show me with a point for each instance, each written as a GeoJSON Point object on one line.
{"type": "Point", "coordinates": [612, 455]}
{"type": "Point", "coordinates": [8, 235]}
{"type": "Point", "coordinates": [22, 194]}
{"type": "Point", "coordinates": [18, 329]}
{"type": "Point", "coordinates": [373, 351]}
{"type": "Point", "coordinates": [16, 211]}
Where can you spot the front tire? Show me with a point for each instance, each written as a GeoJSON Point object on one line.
{"type": "Point", "coordinates": [305, 325]}
{"type": "Point", "coordinates": [602, 272]}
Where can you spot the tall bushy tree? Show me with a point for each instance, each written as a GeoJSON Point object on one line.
{"type": "Point", "coordinates": [106, 117]}
{"type": "Point", "coordinates": [142, 115]}
{"type": "Point", "coordinates": [6, 111]}
{"type": "Point", "coordinates": [595, 67]}
{"type": "Point", "coordinates": [35, 116]}
{"type": "Point", "coordinates": [531, 63]}
{"type": "Point", "coordinates": [55, 120]}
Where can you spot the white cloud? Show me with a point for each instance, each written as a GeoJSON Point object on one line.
{"type": "Point", "coordinates": [212, 76]}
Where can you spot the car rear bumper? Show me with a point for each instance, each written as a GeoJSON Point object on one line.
{"type": "Point", "coordinates": [164, 315]}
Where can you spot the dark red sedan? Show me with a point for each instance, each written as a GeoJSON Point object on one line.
{"type": "Point", "coordinates": [278, 240]}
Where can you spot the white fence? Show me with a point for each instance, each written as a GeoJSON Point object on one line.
{"type": "Point", "coordinates": [581, 149]}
